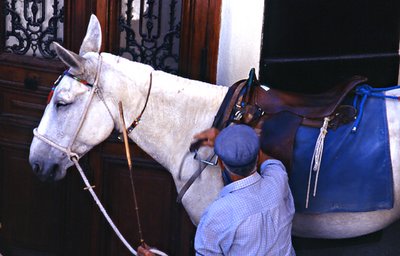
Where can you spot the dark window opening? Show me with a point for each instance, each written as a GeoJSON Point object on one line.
{"type": "Point", "coordinates": [310, 45]}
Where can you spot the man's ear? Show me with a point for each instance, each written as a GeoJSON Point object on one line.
{"type": "Point", "coordinates": [221, 164]}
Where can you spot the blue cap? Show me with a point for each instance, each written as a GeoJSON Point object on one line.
{"type": "Point", "coordinates": [237, 146]}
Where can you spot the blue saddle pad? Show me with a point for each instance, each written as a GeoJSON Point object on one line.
{"type": "Point", "coordinates": [356, 170]}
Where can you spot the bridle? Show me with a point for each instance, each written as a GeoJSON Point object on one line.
{"type": "Point", "coordinates": [95, 89]}
{"type": "Point", "coordinates": [74, 157]}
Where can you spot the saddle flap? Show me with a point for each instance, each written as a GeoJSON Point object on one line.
{"type": "Point", "coordinates": [278, 134]}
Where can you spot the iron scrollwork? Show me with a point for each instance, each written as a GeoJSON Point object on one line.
{"type": "Point", "coordinates": [26, 30]}
{"type": "Point", "coordinates": [154, 38]}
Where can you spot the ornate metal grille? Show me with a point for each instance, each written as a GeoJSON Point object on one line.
{"type": "Point", "coordinates": [26, 29]}
{"type": "Point", "coordinates": [150, 32]}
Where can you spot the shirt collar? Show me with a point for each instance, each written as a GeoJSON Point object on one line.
{"type": "Point", "coordinates": [245, 182]}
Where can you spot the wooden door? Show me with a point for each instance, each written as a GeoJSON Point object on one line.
{"type": "Point", "coordinates": [32, 214]}
{"type": "Point", "coordinates": [60, 218]}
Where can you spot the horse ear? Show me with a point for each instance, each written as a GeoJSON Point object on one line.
{"type": "Point", "coordinates": [92, 40]}
{"type": "Point", "coordinates": [71, 59]}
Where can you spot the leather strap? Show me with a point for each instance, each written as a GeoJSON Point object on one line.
{"type": "Point", "coordinates": [191, 180]}
{"type": "Point", "coordinates": [137, 119]}
{"type": "Point", "coordinates": [225, 112]}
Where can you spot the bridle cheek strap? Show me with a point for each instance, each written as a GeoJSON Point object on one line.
{"type": "Point", "coordinates": [68, 149]}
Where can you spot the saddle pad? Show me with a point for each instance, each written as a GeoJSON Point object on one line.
{"type": "Point", "coordinates": [356, 170]}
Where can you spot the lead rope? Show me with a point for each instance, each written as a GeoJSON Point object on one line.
{"type": "Point", "coordinates": [101, 207]}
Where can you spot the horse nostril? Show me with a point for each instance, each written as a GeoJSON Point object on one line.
{"type": "Point", "coordinates": [36, 168]}
{"type": "Point", "coordinates": [53, 171]}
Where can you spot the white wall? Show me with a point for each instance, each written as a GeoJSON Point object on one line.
{"type": "Point", "coordinates": [398, 79]}
{"type": "Point", "coordinates": [240, 39]}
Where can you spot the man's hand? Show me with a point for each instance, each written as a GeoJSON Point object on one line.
{"type": "Point", "coordinates": [144, 250]}
{"type": "Point", "coordinates": [207, 137]}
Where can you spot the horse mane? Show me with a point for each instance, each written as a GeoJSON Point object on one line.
{"type": "Point", "coordinates": [193, 90]}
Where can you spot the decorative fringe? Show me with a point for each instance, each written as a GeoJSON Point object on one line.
{"type": "Point", "coordinates": [317, 159]}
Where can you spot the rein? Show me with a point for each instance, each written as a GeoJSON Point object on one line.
{"type": "Point", "coordinates": [74, 157]}
{"type": "Point", "coordinates": [137, 119]}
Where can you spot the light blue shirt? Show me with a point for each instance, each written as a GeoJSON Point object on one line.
{"type": "Point", "coordinates": [252, 216]}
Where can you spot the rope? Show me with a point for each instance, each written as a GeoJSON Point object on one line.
{"type": "Point", "coordinates": [317, 159]}
{"type": "Point", "coordinates": [105, 214]}
{"type": "Point", "coordinates": [364, 91]}
{"type": "Point", "coordinates": [101, 207]}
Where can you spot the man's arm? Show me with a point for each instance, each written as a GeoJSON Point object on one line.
{"type": "Point", "coordinates": [262, 157]}
{"type": "Point", "coordinates": [275, 168]}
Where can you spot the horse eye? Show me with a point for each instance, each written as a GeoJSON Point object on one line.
{"type": "Point", "coordinates": [60, 104]}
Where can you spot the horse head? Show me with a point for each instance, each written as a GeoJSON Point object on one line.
{"type": "Point", "coordinates": [63, 132]}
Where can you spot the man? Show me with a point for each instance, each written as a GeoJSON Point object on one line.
{"type": "Point", "coordinates": [254, 211]}
{"type": "Point", "coordinates": [253, 214]}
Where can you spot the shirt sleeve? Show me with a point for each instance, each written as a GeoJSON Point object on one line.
{"type": "Point", "coordinates": [273, 167]}
{"type": "Point", "coordinates": [214, 235]}
{"type": "Point", "coordinates": [206, 240]}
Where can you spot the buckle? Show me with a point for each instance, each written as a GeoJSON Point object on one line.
{"type": "Point", "coordinates": [206, 161]}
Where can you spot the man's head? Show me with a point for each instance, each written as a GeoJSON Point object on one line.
{"type": "Point", "coordinates": [237, 146]}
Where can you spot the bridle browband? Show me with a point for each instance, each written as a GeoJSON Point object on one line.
{"type": "Point", "coordinates": [69, 74]}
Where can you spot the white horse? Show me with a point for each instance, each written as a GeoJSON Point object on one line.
{"type": "Point", "coordinates": [79, 117]}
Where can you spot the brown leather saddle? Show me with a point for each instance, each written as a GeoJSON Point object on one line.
{"type": "Point", "coordinates": [276, 115]}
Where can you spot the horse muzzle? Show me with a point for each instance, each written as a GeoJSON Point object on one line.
{"type": "Point", "coordinates": [45, 164]}
{"type": "Point", "coordinates": [47, 171]}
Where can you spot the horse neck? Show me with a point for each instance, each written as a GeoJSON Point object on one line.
{"type": "Point", "coordinates": [177, 109]}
